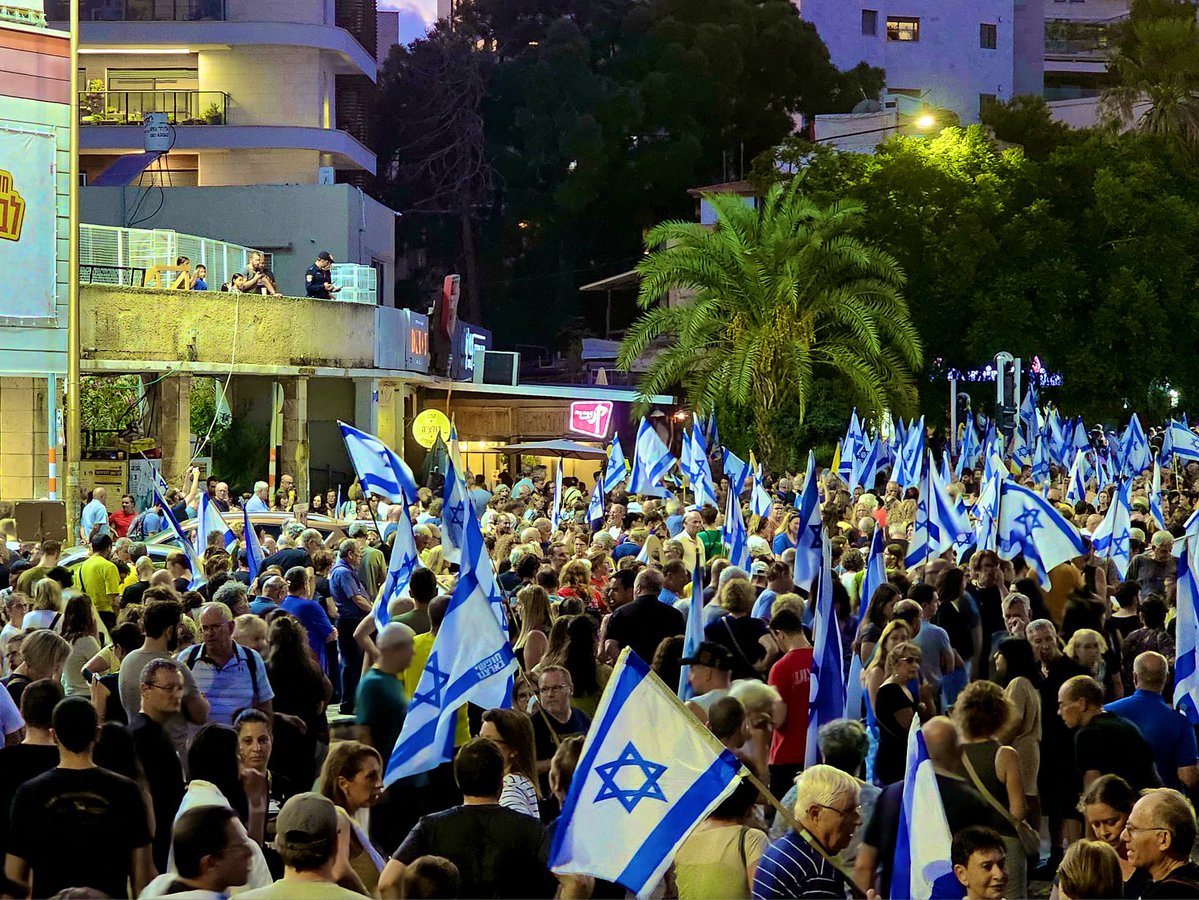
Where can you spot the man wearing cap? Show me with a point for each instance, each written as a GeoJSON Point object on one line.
{"type": "Point", "coordinates": [317, 280]}
{"type": "Point", "coordinates": [710, 676]}
{"type": "Point", "coordinates": [308, 835]}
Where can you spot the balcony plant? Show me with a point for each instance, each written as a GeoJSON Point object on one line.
{"type": "Point", "coordinates": [214, 115]}
{"type": "Point", "coordinates": [91, 103]}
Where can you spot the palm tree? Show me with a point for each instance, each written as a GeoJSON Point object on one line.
{"type": "Point", "coordinates": [1157, 64]}
{"type": "Point", "coordinates": [779, 295]}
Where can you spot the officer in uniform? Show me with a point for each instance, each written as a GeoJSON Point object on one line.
{"type": "Point", "coordinates": [317, 281]}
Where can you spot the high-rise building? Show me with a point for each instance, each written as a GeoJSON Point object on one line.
{"type": "Point", "coordinates": [1077, 45]}
{"type": "Point", "coordinates": [940, 53]}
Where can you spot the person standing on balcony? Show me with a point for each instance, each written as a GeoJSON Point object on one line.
{"type": "Point", "coordinates": [257, 278]}
{"type": "Point", "coordinates": [317, 280]}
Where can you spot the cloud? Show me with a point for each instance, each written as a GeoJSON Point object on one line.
{"type": "Point", "coordinates": [415, 16]}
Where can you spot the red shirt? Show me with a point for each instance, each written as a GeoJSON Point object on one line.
{"type": "Point", "coordinates": [120, 522]}
{"type": "Point", "coordinates": [791, 675]}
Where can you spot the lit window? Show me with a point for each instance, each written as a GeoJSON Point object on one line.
{"type": "Point", "coordinates": [903, 28]}
{"type": "Point", "coordinates": [987, 35]}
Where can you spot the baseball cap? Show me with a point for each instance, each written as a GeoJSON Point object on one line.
{"type": "Point", "coordinates": [325, 255]}
{"type": "Point", "coordinates": [306, 819]}
{"type": "Point", "coordinates": [711, 654]}
{"type": "Point", "coordinates": [758, 546]}
{"type": "Point", "coordinates": [758, 568]}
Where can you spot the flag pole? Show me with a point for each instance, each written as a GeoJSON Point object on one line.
{"type": "Point", "coordinates": [789, 817]}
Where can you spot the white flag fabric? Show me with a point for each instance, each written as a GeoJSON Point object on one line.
{"type": "Point", "coordinates": [807, 542]}
{"type": "Point", "coordinates": [617, 469]}
{"type": "Point", "coordinates": [404, 561]}
{"type": "Point", "coordinates": [595, 506]}
{"type": "Point", "coordinates": [454, 512]}
{"type": "Point", "coordinates": [923, 844]}
{"type": "Point", "coordinates": [1186, 674]}
{"type": "Point", "coordinates": [210, 520]}
{"type": "Point", "coordinates": [379, 470]}
{"type": "Point", "coordinates": [556, 515]}
{"type": "Point", "coordinates": [648, 774]}
{"type": "Point", "coordinates": [1029, 525]}
{"type": "Point", "coordinates": [1112, 539]}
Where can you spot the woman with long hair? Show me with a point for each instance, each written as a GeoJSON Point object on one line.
{"type": "Point", "coordinates": [575, 581]}
{"type": "Point", "coordinates": [895, 704]}
{"type": "Point", "coordinates": [301, 729]}
{"type": "Point", "coordinates": [576, 654]}
{"type": "Point", "coordinates": [878, 616]}
{"type": "Point", "coordinates": [80, 629]}
{"type": "Point", "coordinates": [512, 732]}
{"type": "Point", "coordinates": [45, 608]}
{"type": "Point", "coordinates": [982, 714]}
{"type": "Point", "coordinates": [1016, 668]}
{"type": "Point", "coordinates": [352, 777]}
{"type": "Point", "coordinates": [1106, 806]}
{"type": "Point", "coordinates": [536, 620]}
{"type": "Point", "coordinates": [787, 536]}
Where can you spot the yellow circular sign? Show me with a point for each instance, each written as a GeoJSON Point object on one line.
{"type": "Point", "coordinates": [428, 424]}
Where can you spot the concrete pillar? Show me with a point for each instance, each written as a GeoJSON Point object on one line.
{"type": "Point", "coordinates": [368, 398]}
{"type": "Point", "coordinates": [172, 400]}
{"type": "Point", "coordinates": [295, 433]}
{"type": "Point", "coordinates": [22, 438]}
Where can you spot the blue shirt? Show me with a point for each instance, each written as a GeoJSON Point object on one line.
{"type": "Point", "coordinates": [200, 285]}
{"type": "Point", "coordinates": [94, 512]}
{"type": "Point", "coordinates": [262, 606]}
{"type": "Point", "coordinates": [315, 621]}
{"type": "Point", "coordinates": [256, 505]}
{"type": "Point", "coordinates": [762, 605]}
{"type": "Point", "coordinates": [344, 583]}
{"type": "Point", "coordinates": [1168, 732]}
{"type": "Point", "coordinates": [625, 548]}
{"type": "Point", "coordinates": [791, 868]}
{"type": "Point", "coordinates": [674, 524]}
{"type": "Point", "coordinates": [152, 523]}
{"type": "Point", "coordinates": [480, 497]}
{"type": "Point", "coordinates": [782, 542]}
{"type": "Point", "coordinates": [668, 596]}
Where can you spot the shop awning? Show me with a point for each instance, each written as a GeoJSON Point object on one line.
{"type": "Point", "coordinates": [564, 449]}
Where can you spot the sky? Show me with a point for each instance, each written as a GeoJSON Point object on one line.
{"type": "Point", "coordinates": [415, 16]}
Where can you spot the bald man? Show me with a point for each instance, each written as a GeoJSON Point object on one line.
{"type": "Point", "coordinates": [964, 806]}
{"type": "Point", "coordinates": [1169, 735]}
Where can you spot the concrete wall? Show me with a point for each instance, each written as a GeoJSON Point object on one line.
{"type": "Point", "coordinates": [309, 12]}
{"type": "Point", "coordinates": [259, 92]}
{"type": "Point", "coordinates": [23, 464]}
{"type": "Point", "coordinates": [257, 167]}
{"type": "Point", "coordinates": [169, 326]}
{"type": "Point", "coordinates": [947, 64]}
{"type": "Point", "coordinates": [294, 222]}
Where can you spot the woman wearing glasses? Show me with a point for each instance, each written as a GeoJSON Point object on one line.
{"type": "Point", "coordinates": [894, 706]}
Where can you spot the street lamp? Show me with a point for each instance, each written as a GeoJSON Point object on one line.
{"type": "Point", "coordinates": [925, 122]}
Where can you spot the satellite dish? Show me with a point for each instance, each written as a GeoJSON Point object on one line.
{"type": "Point", "coordinates": [868, 106]}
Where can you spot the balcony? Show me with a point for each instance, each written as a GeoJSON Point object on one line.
{"type": "Point", "coordinates": [128, 107]}
{"type": "Point", "coordinates": [139, 10]}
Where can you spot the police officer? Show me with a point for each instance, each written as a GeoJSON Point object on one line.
{"type": "Point", "coordinates": [317, 281]}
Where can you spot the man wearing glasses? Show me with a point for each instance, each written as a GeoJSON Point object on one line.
{"type": "Point", "coordinates": [555, 719]}
{"type": "Point", "coordinates": [162, 697]}
{"type": "Point", "coordinates": [1160, 832]}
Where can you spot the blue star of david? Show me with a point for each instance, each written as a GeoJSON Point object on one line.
{"type": "Point", "coordinates": [815, 529]}
{"type": "Point", "coordinates": [630, 758]}
{"type": "Point", "coordinates": [1030, 519]}
{"type": "Point", "coordinates": [861, 454]}
{"type": "Point", "coordinates": [433, 697]}
{"type": "Point", "coordinates": [455, 516]}
{"type": "Point", "coordinates": [1123, 538]}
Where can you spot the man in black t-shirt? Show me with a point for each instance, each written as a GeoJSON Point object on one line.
{"type": "Point", "coordinates": [79, 825]}
{"type": "Point", "coordinates": [643, 623]}
{"type": "Point", "coordinates": [161, 687]}
{"type": "Point", "coordinates": [499, 852]}
{"type": "Point", "coordinates": [36, 754]}
{"type": "Point", "coordinates": [1104, 743]}
{"type": "Point", "coordinates": [555, 719]}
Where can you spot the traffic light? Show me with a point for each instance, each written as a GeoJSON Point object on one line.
{"type": "Point", "coordinates": [1007, 392]}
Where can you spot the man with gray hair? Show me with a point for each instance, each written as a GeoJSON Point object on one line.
{"type": "Point", "coordinates": [353, 603]}
{"type": "Point", "coordinates": [274, 590]}
{"type": "Point", "coordinates": [259, 503]}
{"type": "Point", "coordinates": [229, 676]}
{"type": "Point", "coordinates": [308, 543]}
{"type": "Point", "coordinates": [1169, 734]}
{"type": "Point", "coordinates": [1159, 835]}
{"type": "Point", "coordinates": [235, 596]}
{"type": "Point", "coordinates": [826, 807]}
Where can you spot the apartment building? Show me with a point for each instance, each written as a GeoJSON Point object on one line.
{"type": "Point", "coordinates": [257, 93]}
{"type": "Point", "coordinates": [938, 53]}
{"type": "Point", "coordinates": [1077, 44]}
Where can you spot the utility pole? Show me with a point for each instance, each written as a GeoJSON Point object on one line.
{"type": "Point", "coordinates": [73, 424]}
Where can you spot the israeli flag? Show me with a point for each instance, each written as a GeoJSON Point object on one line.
{"type": "Point", "coordinates": [1184, 443]}
{"type": "Point", "coordinates": [455, 511]}
{"type": "Point", "coordinates": [939, 523]}
{"type": "Point", "coordinates": [738, 471]}
{"type": "Point", "coordinates": [694, 634]}
{"type": "Point", "coordinates": [1186, 624]}
{"type": "Point", "coordinates": [854, 435]}
{"type": "Point", "coordinates": [210, 520]}
{"type": "Point", "coordinates": [759, 502]}
{"type": "Point", "coordinates": [595, 506]}
{"type": "Point", "coordinates": [1155, 495]}
{"type": "Point", "coordinates": [1134, 448]}
{"type": "Point", "coordinates": [876, 574]}
{"type": "Point", "coordinates": [470, 661]}
{"type": "Point", "coordinates": [865, 467]}
{"type": "Point", "coordinates": [702, 484]}
{"type": "Point", "coordinates": [1040, 462]}
{"type": "Point", "coordinates": [711, 432]}
{"type": "Point", "coordinates": [735, 534]}
{"type": "Point", "coordinates": [1076, 490]}
{"type": "Point", "coordinates": [253, 548]}
{"type": "Point", "coordinates": [1028, 409]}
{"type": "Point", "coordinates": [556, 515]}
{"type": "Point", "coordinates": [617, 469]}
{"type": "Point", "coordinates": [923, 843]}
{"type": "Point", "coordinates": [1019, 453]}
{"type": "Point", "coordinates": [379, 470]}
{"type": "Point", "coordinates": [908, 470]}
{"type": "Point", "coordinates": [986, 511]}
{"type": "Point", "coordinates": [826, 687]}
{"type": "Point", "coordinates": [404, 561]}
{"type": "Point", "coordinates": [197, 565]}
{"type": "Point", "coordinates": [1111, 539]}
{"type": "Point", "coordinates": [649, 773]}
{"type": "Point", "coordinates": [651, 461]}
{"type": "Point", "coordinates": [1166, 456]}
{"type": "Point", "coordinates": [1029, 525]}
{"type": "Point", "coordinates": [811, 529]}
{"type": "Point", "coordinates": [1079, 439]}
{"type": "Point", "coordinates": [970, 448]}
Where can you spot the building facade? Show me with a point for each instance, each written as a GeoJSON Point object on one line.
{"type": "Point", "coordinates": [938, 53]}
{"type": "Point", "coordinates": [1078, 36]}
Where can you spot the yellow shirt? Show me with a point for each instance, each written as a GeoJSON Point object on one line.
{"type": "Point", "coordinates": [98, 578]}
{"type": "Point", "coordinates": [422, 646]}
{"type": "Point", "coordinates": [693, 550]}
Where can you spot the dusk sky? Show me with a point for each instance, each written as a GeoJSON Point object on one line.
{"type": "Point", "coordinates": [415, 16]}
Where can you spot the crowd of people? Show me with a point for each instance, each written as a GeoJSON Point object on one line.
{"type": "Point", "coordinates": [174, 732]}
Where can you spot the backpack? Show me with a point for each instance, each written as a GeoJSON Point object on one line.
{"type": "Point", "coordinates": [193, 654]}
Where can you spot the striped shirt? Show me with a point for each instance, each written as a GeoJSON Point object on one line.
{"type": "Point", "coordinates": [232, 687]}
{"type": "Point", "coordinates": [520, 796]}
{"type": "Point", "coordinates": [791, 868]}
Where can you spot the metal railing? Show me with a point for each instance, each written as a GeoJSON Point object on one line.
{"type": "Point", "coordinates": [122, 256]}
{"type": "Point", "coordinates": [128, 107]}
{"type": "Point", "coordinates": [1096, 48]}
{"type": "Point", "coordinates": [139, 10]}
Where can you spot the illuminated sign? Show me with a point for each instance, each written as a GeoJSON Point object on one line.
{"type": "Point", "coordinates": [591, 417]}
{"type": "Point", "coordinates": [428, 425]}
{"type": "Point", "coordinates": [12, 209]}
{"type": "Point", "coordinates": [418, 340]}
{"type": "Point", "coordinates": [1036, 371]}
{"type": "Point", "coordinates": [468, 340]}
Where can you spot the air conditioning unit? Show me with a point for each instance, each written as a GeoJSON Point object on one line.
{"type": "Point", "coordinates": [496, 367]}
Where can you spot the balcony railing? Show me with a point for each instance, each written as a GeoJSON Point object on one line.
{"type": "Point", "coordinates": [128, 107]}
{"type": "Point", "coordinates": [1087, 48]}
{"type": "Point", "coordinates": [139, 10]}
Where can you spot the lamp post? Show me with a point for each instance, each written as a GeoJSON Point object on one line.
{"type": "Point", "coordinates": [73, 425]}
